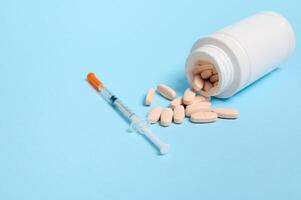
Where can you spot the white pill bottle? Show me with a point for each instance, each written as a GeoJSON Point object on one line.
{"type": "Point", "coordinates": [243, 52]}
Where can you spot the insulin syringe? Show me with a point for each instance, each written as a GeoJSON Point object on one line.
{"type": "Point", "coordinates": [136, 123]}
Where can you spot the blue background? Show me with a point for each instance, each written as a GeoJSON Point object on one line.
{"type": "Point", "coordinates": [60, 140]}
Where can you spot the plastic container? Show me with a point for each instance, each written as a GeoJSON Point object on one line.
{"type": "Point", "coordinates": [243, 52]}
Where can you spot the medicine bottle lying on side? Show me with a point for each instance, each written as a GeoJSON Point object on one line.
{"type": "Point", "coordinates": [224, 62]}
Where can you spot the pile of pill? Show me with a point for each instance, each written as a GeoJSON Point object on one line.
{"type": "Point", "coordinates": [205, 78]}
{"type": "Point", "coordinates": [195, 103]}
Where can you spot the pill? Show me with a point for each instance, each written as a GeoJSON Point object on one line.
{"type": "Point", "coordinates": [214, 78]}
{"type": "Point", "coordinates": [214, 71]}
{"type": "Point", "coordinates": [203, 117]}
{"type": "Point", "coordinates": [154, 114]}
{"type": "Point", "coordinates": [197, 107]}
{"type": "Point", "coordinates": [188, 96]}
{"type": "Point", "coordinates": [198, 83]}
{"type": "Point", "coordinates": [176, 102]}
{"type": "Point", "coordinates": [166, 91]}
{"type": "Point", "coordinates": [213, 90]}
{"type": "Point", "coordinates": [166, 117]}
{"type": "Point", "coordinates": [207, 86]}
{"type": "Point", "coordinates": [200, 68]}
{"type": "Point", "coordinates": [149, 96]}
{"type": "Point", "coordinates": [199, 99]}
{"type": "Point", "coordinates": [202, 62]}
{"type": "Point", "coordinates": [227, 113]}
{"type": "Point", "coordinates": [206, 74]}
{"type": "Point", "coordinates": [178, 114]}
{"type": "Point", "coordinates": [202, 103]}
{"type": "Point", "coordinates": [205, 94]}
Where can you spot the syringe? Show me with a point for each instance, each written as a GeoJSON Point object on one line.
{"type": "Point", "coordinates": [136, 123]}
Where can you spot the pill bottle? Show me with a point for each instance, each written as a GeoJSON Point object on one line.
{"type": "Point", "coordinates": [243, 52]}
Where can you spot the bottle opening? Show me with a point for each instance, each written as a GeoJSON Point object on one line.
{"type": "Point", "coordinates": [213, 66]}
{"type": "Point", "coordinates": [205, 77]}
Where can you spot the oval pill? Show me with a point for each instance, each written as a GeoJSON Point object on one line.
{"type": "Point", "coordinates": [205, 94]}
{"type": "Point", "coordinates": [178, 114]}
{"type": "Point", "coordinates": [197, 107]}
{"type": "Point", "coordinates": [214, 78]}
{"type": "Point", "coordinates": [154, 114]}
{"type": "Point", "coordinates": [198, 83]}
{"type": "Point", "coordinates": [227, 113]}
{"type": "Point", "coordinates": [166, 91]}
{"type": "Point", "coordinates": [176, 102]}
{"type": "Point", "coordinates": [149, 96]}
{"type": "Point", "coordinates": [201, 103]}
{"type": "Point", "coordinates": [203, 117]}
{"type": "Point", "coordinates": [207, 86]}
{"type": "Point", "coordinates": [200, 68]}
{"type": "Point", "coordinates": [214, 71]}
{"type": "Point", "coordinates": [188, 96]}
{"type": "Point", "coordinates": [199, 99]}
{"type": "Point", "coordinates": [206, 74]}
{"type": "Point", "coordinates": [166, 117]}
{"type": "Point", "coordinates": [202, 62]}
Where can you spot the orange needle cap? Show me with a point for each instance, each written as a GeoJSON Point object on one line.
{"type": "Point", "coordinates": [93, 80]}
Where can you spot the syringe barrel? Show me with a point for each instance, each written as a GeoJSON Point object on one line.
{"type": "Point", "coordinates": [116, 102]}
{"type": "Point", "coordinates": [123, 109]}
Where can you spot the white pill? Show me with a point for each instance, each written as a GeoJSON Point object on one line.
{"type": "Point", "coordinates": [176, 102]}
{"type": "Point", "coordinates": [178, 114]}
{"type": "Point", "coordinates": [203, 117]}
{"type": "Point", "coordinates": [166, 117]}
{"type": "Point", "coordinates": [227, 113]}
{"type": "Point", "coordinates": [198, 107]}
{"type": "Point", "coordinates": [206, 74]}
{"type": "Point", "coordinates": [214, 78]}
{"type": "Point", "coordinates": [207, 86]}
{"type": "Point", "coordinates": [188, 96]}
{"type": "Point", "coordinates": [166, 91]}
{"type": "Point", "coordinates": [200, 68]}
{"type": "Point", "coordinates": [198, 83]}
{"type": "Point", "coordinates": [154, 114]}
{"type": "Point", "coordinates": [149, 96]}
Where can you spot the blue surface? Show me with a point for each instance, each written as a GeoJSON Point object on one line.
{"type": "Point", "coordinates": [60, 140]}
